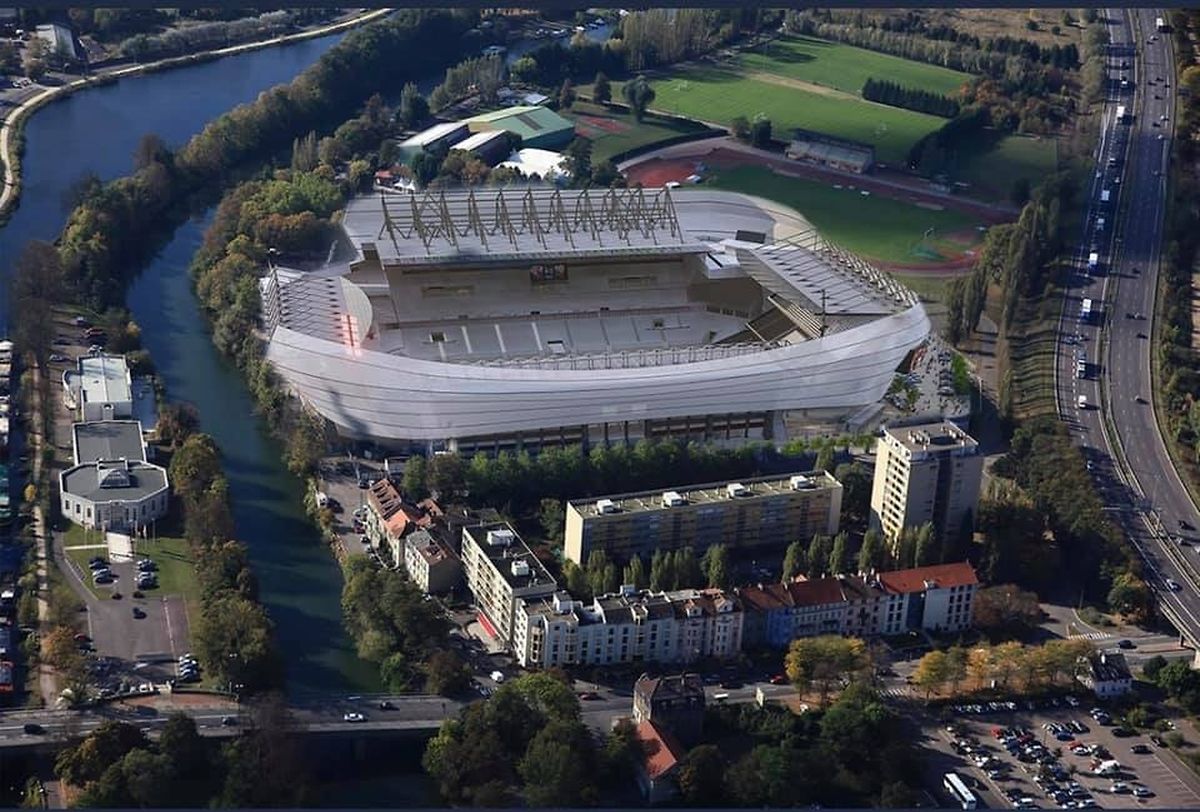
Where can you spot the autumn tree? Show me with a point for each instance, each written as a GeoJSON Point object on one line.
{"type": "Point", "coordinates": [932, 672]}
{"type": "Point", "coordinates": [825, 661]}
{"type": "Point", "coordinates": [795, 560]}
{"type": "Point", "coordinates": [1006, 609]}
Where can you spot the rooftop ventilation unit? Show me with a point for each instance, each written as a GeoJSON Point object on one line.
{"type": "Point", "coordinates": [606, 506]}
{"type": "Point", "coordinates": [672, 499]}
{"type": "Point", "coordinates": [802, 483]}
{"type": "Point", "coordinates": [520, 569]}
{"type": "Point", "coordinates": [500, 538]}
{"type": "Point", "coordinates": [736, 489]}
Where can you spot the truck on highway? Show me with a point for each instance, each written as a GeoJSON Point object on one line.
{"type": "Point", "coordinates": [1082, 402]}
{"type": "Point", "coordinates": [1160, 24]}
{"type": "Point", "coordinates": [1122, 115]}
{"type": "Point", "coordinates": [1105, 195]}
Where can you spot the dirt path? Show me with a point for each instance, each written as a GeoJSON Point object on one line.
{"type": "Point", "coordinates": [800, 84]}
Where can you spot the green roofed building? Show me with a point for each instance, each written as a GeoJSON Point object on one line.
{"type": "Point", "coordinates": [539, 127]}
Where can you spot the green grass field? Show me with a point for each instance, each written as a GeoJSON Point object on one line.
{"type": "Point", "coordinates": [720, 95]}
{"type": "Point", "coordinates": [1020, 156]}
{"type": "Point", "coordinates": [872, 227]}
{"type": "Point", "coordinates": [613, 132]}
{"type": "Point", "coordinates": [845, 67]}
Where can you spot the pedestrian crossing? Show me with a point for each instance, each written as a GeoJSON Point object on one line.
{"type": "Point", "coordinates": [1091, 636]}
{"type": "Point", "coordinates": [895, 693]}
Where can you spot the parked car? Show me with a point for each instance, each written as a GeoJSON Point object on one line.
{"type": "Point", "coordinates": [138, 613]}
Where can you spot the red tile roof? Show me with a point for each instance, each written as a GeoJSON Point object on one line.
{"type": "Point", "coordinates": [662, 751]}
{"type": "Point", "coordinates": [817, 592]}
{"type": "Point", "coordinates": [943, 576]}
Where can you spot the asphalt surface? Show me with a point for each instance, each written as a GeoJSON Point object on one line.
{"type": "Point", "coordinates": [313, 714]}
{"type": "Point", "coordinates": [1146, 495]}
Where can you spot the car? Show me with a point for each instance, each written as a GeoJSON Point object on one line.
{"type": "Point", "coordinates": [1140, 749]}
{"type": "Point", "coordinates": [359, 513]}
{"type": "Point", "coordinates": [82, 638]}
{"type": "Point", "coordinates": [1143, 792]}
{"type": "Point", "coordinates": [1157, 741]}
{"type": "Point", "coordinates": [588, 696]}
{"type": "Point", "coordinates": [1122, 732]}
{"type": "Point", "coordinates": [1126, 644]}
{"type": "Point", "coordinates": [1185, 525]}
{"type": "Point", "coordinates": [1119, 788]}
{"type": "Point", "coordinates": [1139, 399]}
{"type": "Point", "coordinates": [386, 704]}
{"type": "Point", "coordinates": [62, 342]}
{"type": "Point", "coordinates": [730, 684]}
{"type": "Point", "coordinates": [497, 676]}
{"type": "Point", "coordinates": [80, 321]}
{"type": "Point", "coordinates": [1172, 585]}
{"type": "Point", "coordinates": [97, 563]}
{"type": "Point", "coordinates": [57, 358]}
{"type": "Point", "coordinates": [147, 565]}
{"type": "Point", "coordinates": [353, 716]}
{"type": "Point", "coordinates": [33, 729]}
{"type": "Point", "coordinates": [138, 613]}
{"type": "Point", "coordinates": [364, 540]}
{"type": "Point", "coordinates": [229, 721]}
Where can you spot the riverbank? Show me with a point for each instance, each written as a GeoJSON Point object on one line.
{"type": "Point", "coordinates": [12, 123]}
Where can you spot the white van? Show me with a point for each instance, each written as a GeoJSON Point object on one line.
{"type": "Point", "coordinates": [497, 677]}
{"type": "Point", "coordinates": [1082, 402]}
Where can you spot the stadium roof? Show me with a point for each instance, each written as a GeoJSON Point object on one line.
{"type": "Point", "coordinates": [527, 223]}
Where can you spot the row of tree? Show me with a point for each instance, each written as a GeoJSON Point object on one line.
{"type": "Point", "coordinates": [118, 766]}
{"type": "Point", "coordinates": [233, 637]}
{"type": "Point", "coordinates": [528, 745]}
{"type": "Point", "coordinates": [1006, 667]}
{"type": "Point", "coordinates": [147, 47]}
{"type": "Point", "coordinates": [910, 98]}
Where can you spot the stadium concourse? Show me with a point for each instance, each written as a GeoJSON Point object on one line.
{"type": "Point", "coordinates": [491, 319]}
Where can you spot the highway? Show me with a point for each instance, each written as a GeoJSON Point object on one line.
{"type": "Point", "coordinates": [407, 712]}
{"type": "Point", "coordinates": [1125, 451]}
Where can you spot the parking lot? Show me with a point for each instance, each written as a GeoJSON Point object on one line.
{"type": "Point", "coordinates": [339, 480]}
{"type": "Point", "coordinates": [1059, 756]}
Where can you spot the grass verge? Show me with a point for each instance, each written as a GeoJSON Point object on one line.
{"type": "Point", "coordinates": [612, 132]}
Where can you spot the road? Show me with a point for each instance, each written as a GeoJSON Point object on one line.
{"type": "Point", "coordinates": [314, 714]}
{"type": "Point", "coordinates": [1130, 463]}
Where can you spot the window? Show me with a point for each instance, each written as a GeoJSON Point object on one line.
{"type": "Point", "coordinates": [437, 337]}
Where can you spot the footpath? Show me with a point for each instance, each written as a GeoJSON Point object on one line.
{"type": "Point", "coordinates": [13, 117]}
{"type": "Point", "coordinates": [47, 679]}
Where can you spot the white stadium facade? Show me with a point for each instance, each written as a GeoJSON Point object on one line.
{"type": "Point", "coordinates": [492, 319]}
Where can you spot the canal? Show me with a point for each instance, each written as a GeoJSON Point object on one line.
{"type": "Point", "coordinates": [96, 132]}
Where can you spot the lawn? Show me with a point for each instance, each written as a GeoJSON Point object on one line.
{"type": "Point", "coordinates": [873, 227]}
{"type": "Point", "coordinates": [847, 68]}
{"type": "Point", "coordinates": [612, 132]}
{"type": "Point", "coordinates": [720, 95]}
{"type": "Point", "coordinates": [1020, 156]}
{"type": "Point", "coordinates": [176, 570]}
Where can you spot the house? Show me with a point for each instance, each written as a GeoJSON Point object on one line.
{"type": "Point", "coordinates": [430, 563]}
{"type": "Point", "coordinates": [657, 773]}
{"type": "Point", "coordinates": [674, 702]}
{"type": "Point", "coordinates": [1107, 675]}
{"type": "Point", "coordinates": [389, 518]}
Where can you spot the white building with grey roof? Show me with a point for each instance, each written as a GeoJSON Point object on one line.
{"type": "Point", "coordinates": [483, 320]}
{"type": "Point", "coordinates": [119, 495]}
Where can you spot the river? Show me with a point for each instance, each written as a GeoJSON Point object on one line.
{"type": "Point", "coordinates": [96, 132]}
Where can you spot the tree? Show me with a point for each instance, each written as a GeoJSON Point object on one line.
{"type": "Point", "coordinates": [635, 573]}
{"type": "Point", "coordinates": [825, 457]}
{"type": "Point", "coordinates": [856, 491]}
{"type": "Point", "coordinates": [415, 475]}
{"type": "Point", "coordinates": [824, 661]}
{"type": "Point", "coordinates": [414, 109]}
{"type": "Point", "coordinates": [760, 132]}
{"type": "Point", "coordinates": [1130, 595]}
{"type": "Point", "coordinates": [566, 95]}
{"type": "Point", "coordinates": [932, 672]}
{"type": "Point", "coordinates": [446, 674]}
{"type": "Point", "coordinates": [818, 555]}
{"type": "Point", "coordinates": [740, 127]}
{"type": "Point", "coordinates": [559, 766]}
{"type": "Point", "coordinates": [925, 546]}
{"type": "Point", "coordinates": [601, 89]}
{"type": "Point", "coordinates": [151, 149]}
{"type": "Point", "coordinates": [685, 569]}
{"type": "Point", "coordinates": [1152, 667]}
{"type": "Point", "coordinates": [701, 776]}
{"type": "Point", "coordinates": [579, 161]}
{"type": "Point", "coordinates": [871, 553]}
{"type": "Point", "coordinates": [795, 560]}
{"type": "Point", "coordinates": [177, 422]}
{"type": "Point", "coordinates": [838, 558]}
{"type": "Point", "coordinates": [552, 517]}
{"type": "Point", "coordinates": [36, 58]}
{"type": "Point", "coordinates": [716, 566]}
{"type": "Point", "coordinates": [662, 573]}
{"type": "Point", "coordinates": [638, 95]}
{"type": "Point", "coordinates": [576, 580]}
{"type": "Point", "coordinates": [1006, 608]}
{"type": "Point", "coordinates": [103, 747]}
{"type": "Point", "coordinates": [149, 779]}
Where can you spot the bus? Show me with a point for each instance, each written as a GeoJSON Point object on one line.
{"type": "Point", "coordinates": [958, 790]}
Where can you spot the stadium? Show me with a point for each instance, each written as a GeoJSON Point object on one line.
{"type": "Point", "coordinates": [501, 318]}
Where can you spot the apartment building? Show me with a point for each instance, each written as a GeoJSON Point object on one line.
{"type": "Point", "coordinates": [674, 702]}
{"type": "Point", "coordinates": [626, 627]}
{"type": "Point", "coordinates": [501, 571]}
{"type": "Point", "coordinates": [762, 513]}
{"type": "Point", "coordinates": [430, 563]}
{"type": "Point", "coordinates": [927, 471]}
{"type": "Point", "coordinates": [937, 599]}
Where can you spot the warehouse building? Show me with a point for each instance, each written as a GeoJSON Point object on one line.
{"type": "Point", "coordinates": [538, 127]}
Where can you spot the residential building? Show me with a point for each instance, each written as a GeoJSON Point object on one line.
{"type": "Point", "coordinates": [500, 570]}
{"type": "Point", "coordinates": [430, 563]}
{"type": "Point", "coordinates": [60, 42]}
{"type": "Point", "coordinates": [626, 627]}
{"type": "Point", "coordinates": [1108, 675]}
{"type": "Point", "coordinates": [673, 702]}
{"type": "Point", "coordinates": [925, 471]}
{"type": "Point", "coordinates": [108, 440]}
{"type": "Point", "coordinates": [389, 518]}
{"type": "Point", "coordinates": [100, 388]}
{"type": "Point", "coordinates": [937, 598]}
{"type": "Point", "coordinates": [538, 127]}
{"type": "Point", "coordinates": [658, 770]}
{"type": "Point", "coordinates": [766, 513]}
{"type": "Point", "coordinates": [118, 495]}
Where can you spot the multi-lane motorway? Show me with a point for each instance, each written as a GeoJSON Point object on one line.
{"type": "Point", "coordinates": [1116, 428]}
